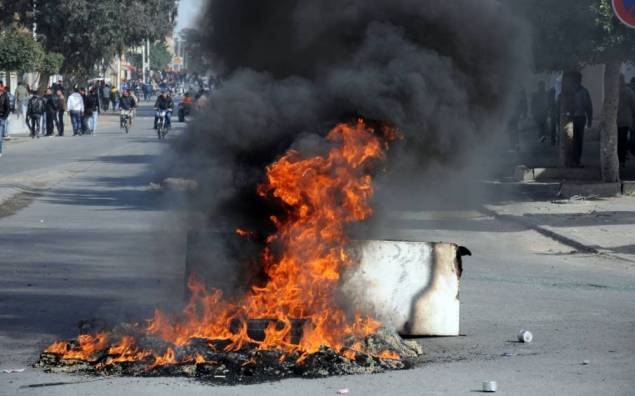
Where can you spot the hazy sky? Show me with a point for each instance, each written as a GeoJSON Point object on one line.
{"type": "Point", "coordinates": [188, 11]}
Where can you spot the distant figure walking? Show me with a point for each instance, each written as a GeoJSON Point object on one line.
{"type": "Point", "coordinates": [35, 111]}
{"type": "Point", "coordinates": [75, 107]}
{"type": "Point", "coordinates": [582, 116]}
{"type": "Point", "coordinates": [5, 110]}
{"type": "Point", "coordinates": [22, 99]}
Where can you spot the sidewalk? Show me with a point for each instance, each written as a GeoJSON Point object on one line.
{"type": "Point", "coordinates": [600, 226]}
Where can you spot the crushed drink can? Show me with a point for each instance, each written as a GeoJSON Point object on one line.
{"type": "Point", "coordinates": [490, 386]}
{"type": "Point", "coordinates": [525, 336]}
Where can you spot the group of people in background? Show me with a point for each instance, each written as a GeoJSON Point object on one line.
{"type": "Point", "coordinates": [545, 112]}
{"type": "Point", "coordinates": [43, 113]}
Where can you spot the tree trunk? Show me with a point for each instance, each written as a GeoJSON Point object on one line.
{"type": "Point", "coordinates": [609, 162]}
{"type": "Point", "coordinates": [43, 83]}
{"type": "Point", "coordinates": [566, 121]}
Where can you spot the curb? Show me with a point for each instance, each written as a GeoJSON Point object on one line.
{"type": "Point", "coordinates": [573, 244]}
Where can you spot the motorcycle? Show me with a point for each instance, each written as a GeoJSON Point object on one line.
{"type": "Point", "coordinates": [162, 127]}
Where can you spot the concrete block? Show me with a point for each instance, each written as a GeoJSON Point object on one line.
{"type": "Point", "coordinates": [628, 188]}
{"type": "Point", "coordinates": [585, 189]}
{"type": "Point", "coordinates": [412, 287]}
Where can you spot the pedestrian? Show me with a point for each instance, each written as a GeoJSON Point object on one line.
{"type": "Point", "coordinates": [92, 109]}
{"type": "Point", "coordinates": [114, 98]}
{"type": "Point", "coordinates": [61, 109]}
{"type": "Point", "coordinates": [59, 86]}
{"type": "Point", "coordinates": [625, 119]}
{"type": "Point", "coordinates": [50, 112]}
{"type": "Point", "coordinates": [105, 96]}
{"type": "Point", "coordinates": [88, 113]}
{"type": "Point", "coordinates": [22, 98]}
{"type": "Point", "coordinates": [35, 111]}
{"type": "Point", "coordinates": [5, 110]}
{"type": "Point", "coordinates": [539, 110]}
{"type": "Point", "coordinates": [75, 108]}
{"type": "Point", "coordinates": [582, 116]}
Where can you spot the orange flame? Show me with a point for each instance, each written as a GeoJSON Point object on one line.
{"type": "Point", "coordinates": [303, 259]}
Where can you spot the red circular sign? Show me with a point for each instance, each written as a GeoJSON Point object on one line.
{"type": "Point", "coordinates": [625, 11]}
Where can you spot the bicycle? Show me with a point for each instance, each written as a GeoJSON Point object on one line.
{"type": "Point", "coordinates": [125, 119]}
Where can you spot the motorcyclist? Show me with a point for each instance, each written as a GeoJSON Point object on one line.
{"type": "Point", "coordinates": [164, 103]}
{"type": "Point", "coordinates": [127, 104]}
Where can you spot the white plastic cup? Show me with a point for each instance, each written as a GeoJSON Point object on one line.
{"type": "Point", "coordinates": [490, 386]}
{"type": "Point", "coordinates": [525, 336]}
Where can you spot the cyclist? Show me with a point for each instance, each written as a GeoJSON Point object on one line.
{"type": "Point", "coordinates": [127, 104]}
{"type": "Point", "coordinates": [163, 103]}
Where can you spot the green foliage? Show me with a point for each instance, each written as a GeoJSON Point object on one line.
{"type": "Point", "coordinates": [19, 52]}
{"type": "Point", "coordinates": [569, 34]}
{"type": "Point", "coordinates": [51, 63]}
{"type": "Point", "coordinates": [15, 11]}
{"type": "Point", "coordinates": [160, 57]}
{"type": "Point", "coordinates": [86, 32]}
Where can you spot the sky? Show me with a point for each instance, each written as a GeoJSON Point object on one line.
{"type": "Point", "coordinates": [188, 11]}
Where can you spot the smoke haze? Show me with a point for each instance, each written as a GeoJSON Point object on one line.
{"type": "Point", "coordinates": [439, 71]}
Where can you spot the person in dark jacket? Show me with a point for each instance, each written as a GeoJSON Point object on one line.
{"type": "Point", "coordinates": [93, 103]}
{"type": "Point", "coordinates": [582, 116]}
{"type": "Point", "coordinates": [127, 104]}
{"type": "Point", "coordinates": [34, 112]}
{"type": "Point", "coordinates": [59, 104]}
{"type": "Point", "coordinates": [164, 102]}
{"type": "Point", "coordinates": [5, 110]}
{"type": "Point", "coordinates": [50, 111]}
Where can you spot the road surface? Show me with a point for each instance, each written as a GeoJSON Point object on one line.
{"type": "Point", "coordinates": [100, 243]}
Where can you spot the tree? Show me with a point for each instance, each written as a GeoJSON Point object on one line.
{"type": "Point", "coordinates": [569, 34]}
{"type": "Point", "coordinates": [195, 52]}
{"type": "Point", "coordinates": [14, 11]}
{"type": "Point", "coordinates": [86, 32]}
{"type": "Point", "coordinates": [160, 57]}
{"type": "Point", "coordinates": [19, 52]}
{"type": "Point", "coordinates": [51, 64]}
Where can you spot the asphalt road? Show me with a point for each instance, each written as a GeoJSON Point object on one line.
{"type": "Point", "coordinates": [102, 244]}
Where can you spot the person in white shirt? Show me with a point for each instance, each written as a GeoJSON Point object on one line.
{"type": "Point", "coordinates": [75, 108]}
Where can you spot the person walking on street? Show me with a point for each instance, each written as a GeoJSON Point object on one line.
{"type": "Point", "coordinates": [75, 108]}
{"type": "Point", "coordinates": [92, 109]}
{"type": "Point", "coordinates": [625, 119]}
{"type": "Point", "coordinates": [85, 130]}
{"type": "Point", "coordinates": [51, 112]}
{"type": "Point", "coordinates": [104, 91]}
{"type": "Point", "coordinates": [22, 98]}
{"type": "Point", "coordinates": [539, 110]}
{"type": "Point", "coordinates": [5, 110]}
{"type": "Point", "coordinates": [60, 106]}
{"type": "Point", "coordinates": [35, 110]}
{"type": "Point", "coordinates": [582, 116]}
{"type": "Point", "coordinates": [114, 98]}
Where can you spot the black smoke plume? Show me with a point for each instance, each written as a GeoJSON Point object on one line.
{"type": "Point", "coordinates": [440, 71]}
